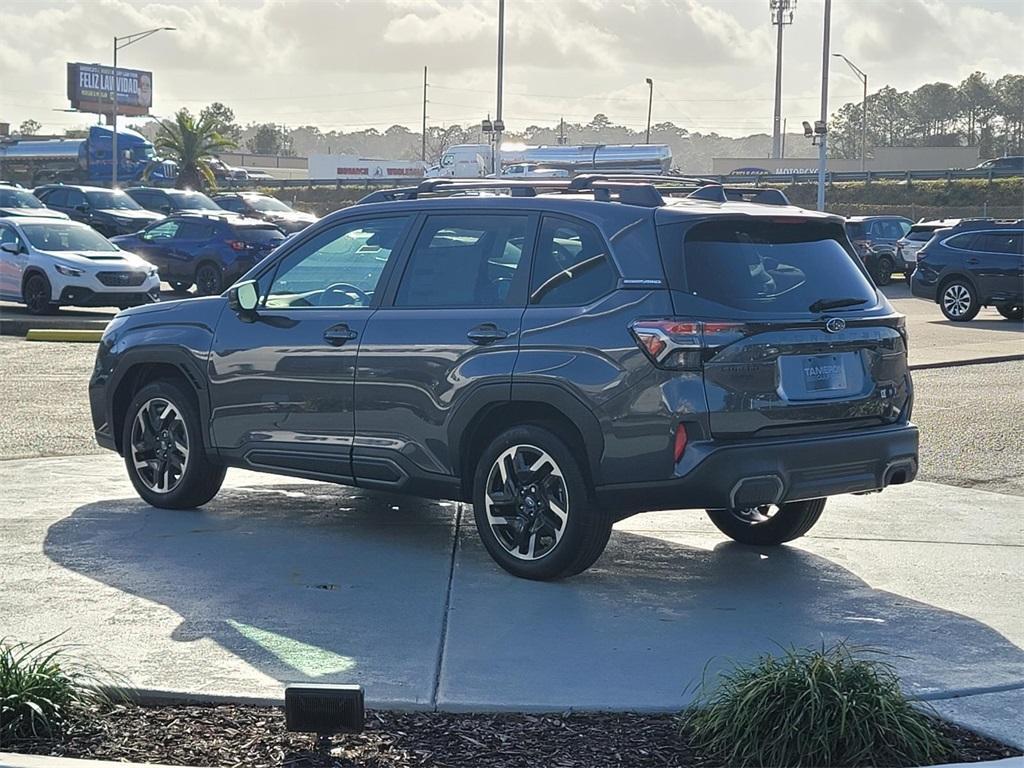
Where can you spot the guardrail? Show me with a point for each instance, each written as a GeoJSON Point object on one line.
{"type": "Point", "coordinates": [733, 178]}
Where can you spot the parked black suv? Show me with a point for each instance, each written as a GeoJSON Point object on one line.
{"type": "Point", "coordinates": [173, 201]}
{"type": "Point", "coordinates": [875, 238]}
{"type": "Point", "coordinates": [979, 262]}
{"type": "Point", "coordinates": [562, 357]}
{"type": "Point", "coordinates": [109, 211]}
{"type": "Point", "coordinates": [256, 206]}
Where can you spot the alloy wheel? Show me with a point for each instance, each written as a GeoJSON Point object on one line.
{"type": "Point", "coordinates": [755, 515]}
{"type": "Point", "coordinates": [160, 445]}
{"type": "Point", "coordinates": [37, 295]}
{"type": "Point", "coordinates": [527, 502]}
{"type": "Point", "coordinates": [956, 299]}
{"type": "Point", "coordinates": [207, 280]}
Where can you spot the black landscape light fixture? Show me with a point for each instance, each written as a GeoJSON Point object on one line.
{"type": "Point", "coordinates": [324, 709]}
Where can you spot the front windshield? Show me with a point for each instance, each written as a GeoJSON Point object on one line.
{"type": "Point", "coordinates": [268, 204]}
{"type": "Point", "coordinates": [192, 201]}
{"type": "Point", "coordinates": [66, 236]}
{"type": "Point", "coordinates": [18, 198]}
{"type": "Point", "coordinates": [145, 152]}
{"type": "Point", "coordinates": [112, 201]}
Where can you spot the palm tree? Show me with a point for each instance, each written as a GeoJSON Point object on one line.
{"type": "Point", "coordinates": [189, 141]}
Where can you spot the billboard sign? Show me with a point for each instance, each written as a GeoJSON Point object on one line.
{"type": "Point", "coordinates": [90, 87]}
{"type": "Point", "coordinates": [354, 167]}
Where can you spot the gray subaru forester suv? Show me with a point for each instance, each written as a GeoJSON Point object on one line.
{"type": "Point", "coordinates": [561, 354]}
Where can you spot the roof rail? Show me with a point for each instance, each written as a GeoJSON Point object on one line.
{"type": "Point", "coordinates": [714, 193]}
{"type": "Point", "coordinates": [984, 223]}
{"type": "Point", "coordinates": [448, 186]}
{"type": "Point", "coordinates": [629, 193]}
{"type": "Point", "coordinates": [584, 181]}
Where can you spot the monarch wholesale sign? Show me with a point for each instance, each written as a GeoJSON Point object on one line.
{"type": "Point", "coordinates": [354, 167]}
{"type": "Point", "coordinates": [90, 87]}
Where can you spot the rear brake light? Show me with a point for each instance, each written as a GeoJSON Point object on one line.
{"type": "Point", "coordinates": [684, 344]}
{"type": "Point", "coordinates": [238, 245]}
{"type": "Point", "coordinates": [679, 444]}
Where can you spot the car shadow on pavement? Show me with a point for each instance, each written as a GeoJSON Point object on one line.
{"type": "Point", "coordinates": [983, 324]}
{"type": "Point", "coordinates": [317, 582]}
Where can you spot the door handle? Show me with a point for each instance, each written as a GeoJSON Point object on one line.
{"type": "Point", "coordinates": [974, 261]}
{"type": "Point", "coordinates": [486, 333]}
{"type": "Point", "coordinates": [339, 334]}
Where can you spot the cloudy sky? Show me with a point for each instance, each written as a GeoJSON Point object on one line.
{"type": "Point", "coordinates": [349, 64]}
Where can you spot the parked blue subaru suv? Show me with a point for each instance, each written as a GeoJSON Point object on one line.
{"type": "Point", "coordinates": [560, 356]}
{"type": "Point", "coordinates": [978, 262]}
{"type": "Point", "coordinates": [208, 251]}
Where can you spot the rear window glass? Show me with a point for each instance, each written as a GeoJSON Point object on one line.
{"type": "Point", "coordinates": [856, 230]}
{"type": "Point", "coordinates": [259, 234]}
{"type": "Point", "coordinates": [768, 266]}
{"type": "Point", "coordinates": [921, 234]}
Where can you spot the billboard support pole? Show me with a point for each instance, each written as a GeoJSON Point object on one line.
{"type": "Point", "coordinates": [113, 122]}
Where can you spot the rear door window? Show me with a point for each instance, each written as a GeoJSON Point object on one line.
{"type": "Point", "coordinates": [766, 266]}
{"type": "Point", "coordinates": [999, 242]}
{"type": "Point", "coordinates": [921, 234]}
{"type": "Point", "coordinates": [58, 198]}
{"type": "Point", "coordinates": [964, 242]}
{"type": "Point", "coordinates": [195, 230]}
{"type": "Point", "coordinates": [464, 260]}
{"type": "Point", "coordinates": [856, 230]}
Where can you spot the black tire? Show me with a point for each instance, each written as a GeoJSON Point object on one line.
{"type": "Point", "coordinates": [958, 300]}
{"type": "Point", "coordinates": [36, 294]}
{"type": "Point", "coordinates": [209, 281]}
{"type": "Point", "coordinates": [758, 526]}
{"type": "Point", "coordinates": [884, 265]}
{"type": "Point", "coordinates": [553, 551]}
{"type": "Point", "coordinates": [201, 478]}
{"type": "Point", "coordinates": [180, 286]}
{"type": "Point", "coordinates": [1011, 311]}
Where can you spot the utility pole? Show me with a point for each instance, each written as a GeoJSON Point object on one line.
{"type": "Point", "coordinates": [822, 146]}
{"type": "Point", "coordinates": [499, 125]}
{"type": "Point", "coordinates": [561, 130]}
{"type": "Point", "coordinates": [423, 146]}
{"type": "Point", "coordinates": [782, 14]}
{"type": "Point", "coordinates": [862, 76]}
{"type": "Point", "coordinates": [650, 103]}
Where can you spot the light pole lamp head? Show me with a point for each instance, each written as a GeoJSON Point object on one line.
{"type": "Point", "coordinates": [649, 82]}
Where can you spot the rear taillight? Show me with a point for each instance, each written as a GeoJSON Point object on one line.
{"type": "Point", "coordinates": [684, 345]}
{"type": "Point", "coordinates": [238, 245]}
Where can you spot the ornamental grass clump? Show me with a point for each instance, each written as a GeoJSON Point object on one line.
{"type": "Point", "coordinates": [42, 689]}
{"type": "Point", "coordinates": [826, 707]}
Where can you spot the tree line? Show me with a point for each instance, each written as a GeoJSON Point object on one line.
{"type": "Point", "coordinates": [978, 112]}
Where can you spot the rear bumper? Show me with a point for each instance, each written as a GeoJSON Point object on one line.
{"type": "Point", "coordinates": [730, 475]}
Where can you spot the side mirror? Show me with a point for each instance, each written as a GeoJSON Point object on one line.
{"type": "Point", "coordinates": [10, 248]}
{"type": "Point", "coordinates": [244, 297]}
{"type": "Point", "coordinates": [165, 210]}
{"type": "Point", "coordinates": [82, 207]}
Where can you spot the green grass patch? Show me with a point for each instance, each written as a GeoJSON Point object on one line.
{"type": "Point", "coordinates": [43, 688]}
{"type": "Point", "coordinates": [828, 707]}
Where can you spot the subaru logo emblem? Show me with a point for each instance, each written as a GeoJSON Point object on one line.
{"type": "Point", "coordinates": [835, 324]}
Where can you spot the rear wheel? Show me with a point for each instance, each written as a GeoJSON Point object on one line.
{"type": "Point", "coordinates": [959, 301]}
{"type": "Point", "coordinates": [1011, 311]}
{"type": "Point", "coordinates": [768, 524]}
{"type": "Point", "coordinates": [532, 509]}
{"type": "Point", "coordinates": [163, 448]}
{"type": "Point", "coordinates": [208, 280]}
{"type": "Point", "coordinates": [36, 294]}
{"type": "Point", "coordinates": [883, 270]}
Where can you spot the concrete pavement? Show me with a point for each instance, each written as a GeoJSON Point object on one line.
{"type": "Point", "coordinates": [278, 580]}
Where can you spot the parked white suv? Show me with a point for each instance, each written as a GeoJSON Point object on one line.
{"type": "Point", "coordinates": [45, 263]}
{"type": "Point", "coordinates": [916, 239]}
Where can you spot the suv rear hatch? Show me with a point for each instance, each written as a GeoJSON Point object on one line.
{"type": "Point", "coordinates": [793, 336]}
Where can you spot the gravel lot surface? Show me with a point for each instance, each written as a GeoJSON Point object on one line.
{"type": "Point", "coordinates": [971, 417]}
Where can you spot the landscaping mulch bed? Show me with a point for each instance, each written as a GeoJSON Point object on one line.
{"type": "Point", "coordinates": [254, 737]}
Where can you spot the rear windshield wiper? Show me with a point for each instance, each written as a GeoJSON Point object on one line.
{"type": "Point", "coordinates": [822, 304]}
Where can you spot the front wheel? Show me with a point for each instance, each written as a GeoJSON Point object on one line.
{"type": "Point", "coordinates": [1011, 311]}
{"type": "Point", "coordinates": [37, 295]}
{"type": "Point", "coordinates": [959, 301]}
{"type": "Point", "coordinates": [163, 448]}
{"type": "Point", "coordinates": [532, 509]}
{"type": "Point", "coordinates": [768, 524]}
{"type": "Point", "coordinates": [180, 286]}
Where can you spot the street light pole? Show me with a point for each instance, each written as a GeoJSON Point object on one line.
{"type": "Point", "coordinates": [119, 43]}
{"type": "Point", "coordinates": [822, 146]}
{"type": "Point", "coordinates": [650, 103]}
{"type": "Point", "coordinates": [423, 142]}
{"type": "Point", "coordinates": [496, 164]}
{"type": "Point", "coordinates": [862, 76]}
